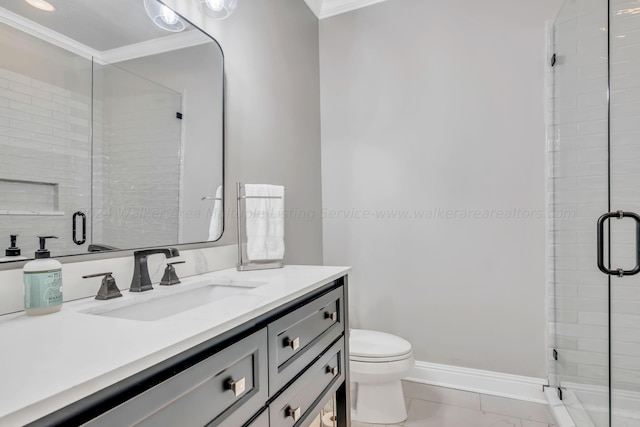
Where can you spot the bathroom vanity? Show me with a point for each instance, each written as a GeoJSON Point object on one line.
{"type": "Point", "coordinates": [261, 348]}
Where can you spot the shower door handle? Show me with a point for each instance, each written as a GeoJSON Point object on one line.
{"type": "Point", "coordinates": [74, 232]}
{"type": "Point", "coordinates": [619, 215]}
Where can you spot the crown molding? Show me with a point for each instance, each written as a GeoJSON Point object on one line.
{"type": "Point", "coordinates": [335, 7]}
{"type": "Point", "coordinates": [315, 6]}
{"type": "Point", "coordinates": [46, 34]}
{"type": "Point", "coordinates": [150, 47]}
{"type": "Point", "coordinates": [155, 46]}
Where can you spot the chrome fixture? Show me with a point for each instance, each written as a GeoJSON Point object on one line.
{"type": "Point", "coordinates": [244, 264]}
{"type": "Point", "coordinates": [216, 9]}
{"type": "Point", "coordinates": [237, 387]}
{"type": "Point", "coordinates": [141, 281]}
{"type": "Point", "coordinates": [163, 16]}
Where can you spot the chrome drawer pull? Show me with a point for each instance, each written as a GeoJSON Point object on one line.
{"type": "Point", "coordinates": [293, 343]}
{"type": "Point", "coordinates": [332, 370]}
{"type": "Point", "coordinates": [294, 413]}
{"type": "Point", "coordinates": [237, 387]}
{"type": "Point", "coordinates": [333, 316]}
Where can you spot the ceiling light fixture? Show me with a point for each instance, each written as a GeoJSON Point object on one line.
{"type": "Point", "coordinates": [42, 5]}
{"type": "Point", "coordinates": [216, 9]}
{"type": "Point", "coordinates": [163, 17]}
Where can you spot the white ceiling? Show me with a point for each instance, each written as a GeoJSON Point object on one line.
{"type": "Point", "coordinates": [104, 25]}
{"type": "Point", "coordinates": [327, 8]}
{"type": "Point", "coordinates": [98, 24]}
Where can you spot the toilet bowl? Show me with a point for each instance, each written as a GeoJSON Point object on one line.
{"type": "Point", "coordinates": [377, 362]}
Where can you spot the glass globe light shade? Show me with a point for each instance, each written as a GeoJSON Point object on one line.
{"type": "Point", "coordinates": [216, 9]}
{"type": "Point", "coordinates": [163, 17]}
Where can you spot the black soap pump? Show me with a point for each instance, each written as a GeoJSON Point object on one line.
{"type": "Point", "coordinates": [13, 252]}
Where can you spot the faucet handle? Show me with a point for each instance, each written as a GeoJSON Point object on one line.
{"type": "Point", "coordinates": [170, 276]}
{"type": "Point", "coordinates": [108, 288]}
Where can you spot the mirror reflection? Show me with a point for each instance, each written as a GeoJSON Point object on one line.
{"type": "Point", "coordinates": [111, 127]}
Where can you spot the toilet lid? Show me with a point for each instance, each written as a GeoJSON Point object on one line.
{"type": "Point", "coordinates": [374, 344]}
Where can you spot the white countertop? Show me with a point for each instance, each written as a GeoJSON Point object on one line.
{"type": "Point", "coordinates": [51, 361]}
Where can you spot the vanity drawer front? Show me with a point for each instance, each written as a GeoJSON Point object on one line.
{"type": "Point", "coordinates": [297, 338]}
{"type": "Point", "coordinates": [226, 389]}
{"type": "Point", "coordinates": [260, 421]}
{"type": "Point", "coordinates": [304, 397]}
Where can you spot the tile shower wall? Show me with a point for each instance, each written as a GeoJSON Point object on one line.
{"type": "Point", "coordinates": [44, 141]}
{"type": "Point", "coordinates": [139, 193]}
{"type": "Point", "coordinates": [45, 138]}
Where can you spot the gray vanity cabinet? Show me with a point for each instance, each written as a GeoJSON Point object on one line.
{"type": "Point", "coordinates": [225, 389]}
{"type": "Point", "coordinates": [276, 370]}
{"type": "Point", "coordinates": [301, 400]}
{"type": "Point", "coordinates": [299, 337]}
{"type": "Point", "coordinates": [261, 420]}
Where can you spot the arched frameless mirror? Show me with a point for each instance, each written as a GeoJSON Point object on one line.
{"type": "Point", "coordinates": [111, 127]}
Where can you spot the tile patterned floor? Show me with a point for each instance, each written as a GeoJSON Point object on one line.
{"type": "Point", "coordinates": [430, 406]}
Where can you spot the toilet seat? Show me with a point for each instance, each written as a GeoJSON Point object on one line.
{"type": "Point", "coordinates": [377, 363]}
{"type": "Point", "coordinates": [377, 347]}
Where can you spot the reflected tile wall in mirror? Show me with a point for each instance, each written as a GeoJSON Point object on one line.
{"type": "Point", "coordinates": [69, 144]}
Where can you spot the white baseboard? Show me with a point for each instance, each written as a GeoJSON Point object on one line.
{"type": "Point", "coordinates": [479, 381]}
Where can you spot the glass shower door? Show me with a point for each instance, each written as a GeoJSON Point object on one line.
{"type": "Point", "coordinates": [595, 157]}
{"type": "Point", "coordinates": [578, 149]}
{"type": "Point", "coordinates": [137, 160]}
{"type": "Point", "coordinates": [624, 153]}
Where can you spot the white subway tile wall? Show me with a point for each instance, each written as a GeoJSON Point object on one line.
{"type": "Point", "coordinates": [48, 160]}
{"type": "Point", "coordinates": [138, 157]}
{"type": "Point", "coordinates": [46, 157]}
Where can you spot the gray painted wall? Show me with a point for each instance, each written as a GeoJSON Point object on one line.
{"type": "Point", "coordinates": [273, 112]}
{"type": "Point", "coordinates": [435, 108]}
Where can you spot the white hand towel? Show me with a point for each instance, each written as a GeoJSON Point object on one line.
{"type": "Point", "coordinates": [215, 226]}
{"type": "Point", "coordinates": [265, 222]}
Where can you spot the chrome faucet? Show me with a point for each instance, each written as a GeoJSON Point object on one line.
{"type": "Point", "coordinates": [141, 281]}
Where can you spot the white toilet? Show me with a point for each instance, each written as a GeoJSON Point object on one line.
{"type": "Point", "coordinates": [378, 361]}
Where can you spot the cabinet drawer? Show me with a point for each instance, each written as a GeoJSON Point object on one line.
{"type": "Point", "coordinates": [301, 399]}
{"type": "Point", "coordinates": [261, 421]}
{"type": "Point", "coordinates": [224, 389]}
{"type": "Point", "coordinates": [297, 338]}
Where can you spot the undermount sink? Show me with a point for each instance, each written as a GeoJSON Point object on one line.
{"type": "Point", "coordinates": [159, 307]}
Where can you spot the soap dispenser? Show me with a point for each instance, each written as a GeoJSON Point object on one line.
{"type": "Point", "coordinates": [42, 282]}
{"type": "Point", "coordinates": [13, 252]}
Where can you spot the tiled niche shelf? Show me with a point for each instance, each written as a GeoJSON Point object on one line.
{"type": "Point", "coordinates": [28, 198]}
